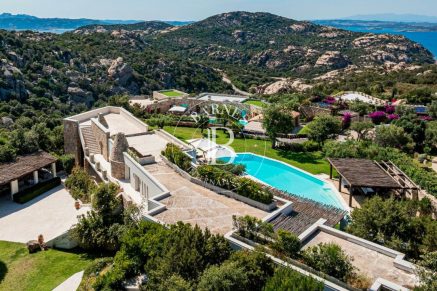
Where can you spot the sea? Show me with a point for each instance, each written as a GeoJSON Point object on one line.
{"type": "Point", "coordinates": [427, 39]}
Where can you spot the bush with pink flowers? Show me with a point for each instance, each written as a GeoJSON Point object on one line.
{"type": "Point", "coordinates": [390, 109]}
{"type": "Point", "coordinates": [378, 117]}
{"type": "Point", "coordinates": [392, 117]}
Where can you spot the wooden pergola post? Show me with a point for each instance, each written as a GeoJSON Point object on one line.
{"type": "Point", "coordinates": [350, 196]}
{"type": "Point", "coordinates": [339, 183]}
{"type": "Point", "coordinates": [330, 171]}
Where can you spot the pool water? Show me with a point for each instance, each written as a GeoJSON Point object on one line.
{"type": "Point", "coordinates": [289, 179]}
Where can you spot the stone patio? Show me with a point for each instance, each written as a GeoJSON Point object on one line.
{"type": "Point", "coordinates": [367, 261]}
{"type": "Point", "coordinates": [194, 204]}
{"type": "Point", "coordinates": [50, 214]}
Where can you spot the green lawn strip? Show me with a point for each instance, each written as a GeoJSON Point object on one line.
{"type": "Point", "coordinates": [256, 103]}
{"type": "Point", "coordinates": [44, 270]}
{"type": "Point", "coordinates": [314, 163]}
{"type": "Point", "coordinates": [171, 93]}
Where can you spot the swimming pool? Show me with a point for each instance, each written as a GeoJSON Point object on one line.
{"type": "Point", "coordinates": [289, 179]}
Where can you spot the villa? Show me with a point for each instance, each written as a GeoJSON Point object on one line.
{"type": "Point", "coordinates": [114, 146]}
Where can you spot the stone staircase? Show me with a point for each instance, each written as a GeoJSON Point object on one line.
{"type": "Point", "coordinates": [90, 140]}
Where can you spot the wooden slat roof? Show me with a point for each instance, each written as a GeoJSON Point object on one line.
{"type": "Point", "coordinates": [363, 173]}
{"type": "Point", "coordinates": [24, 165]}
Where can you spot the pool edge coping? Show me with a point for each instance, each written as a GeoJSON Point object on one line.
{"type": "Point", "coordinates": [339, 197]}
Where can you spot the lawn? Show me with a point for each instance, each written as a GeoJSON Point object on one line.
{"type": "Point", "coordinates": [20, 270]}
{"type": "Point", "coordinates": [311, 162]}
{"type": "Point", "coordinates": [171, 93]}
{"type": "Point", "coordinates": [256, 103]}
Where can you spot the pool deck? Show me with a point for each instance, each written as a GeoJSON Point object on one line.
{"type": "Point", "coordinates": [194, 204]}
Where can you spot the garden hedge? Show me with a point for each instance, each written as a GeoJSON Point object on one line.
{"type": "Point", "coordinates": [36, 190]}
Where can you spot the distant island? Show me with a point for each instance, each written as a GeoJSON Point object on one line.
{"type": "Point", "coordinates": [391, 17]}
{"type": "Point", "coordinates": [390, 26]}
{"type": "Point", "coordinates": [58, 25]}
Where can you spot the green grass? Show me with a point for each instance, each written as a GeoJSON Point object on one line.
{"type": "Point", "coordinates": [311, 162]}
{"type": "Point", "coordinates": [44, 270]}
{"type": "Point", "coordinates": [171, 93]}
{"type": "Point", "coordinates": [256, 103]}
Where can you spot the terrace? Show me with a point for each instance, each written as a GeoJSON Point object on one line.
{"type": "Point", "coordinates": [194, 204]}
{"type": "Point", "coordinates": [373, 260]}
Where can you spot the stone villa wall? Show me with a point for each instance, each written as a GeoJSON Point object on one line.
{"type": "Point", "coordinates": [72, 143]}
{"type": "Point", "coordinates": [101, 138]}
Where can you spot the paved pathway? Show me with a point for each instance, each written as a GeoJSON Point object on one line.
{"type": "Point", "coordinates": [71, 284]}
{"type": "Point", "coordinates": [50, 214]}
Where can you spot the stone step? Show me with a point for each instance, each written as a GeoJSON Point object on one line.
{"type": "Point", "coordinates": [90, 140]}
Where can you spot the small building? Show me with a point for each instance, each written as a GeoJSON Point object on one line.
{"type": "Point", "coordinates": [26, 171]}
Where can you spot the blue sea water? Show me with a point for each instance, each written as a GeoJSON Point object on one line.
{"type": "Point", "coordinates": [289, 179]}
{"type": "Point", "coordinates": [427, 39]}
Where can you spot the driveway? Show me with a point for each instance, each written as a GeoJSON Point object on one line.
{"type": "Point", "coordinates": [50, 214]}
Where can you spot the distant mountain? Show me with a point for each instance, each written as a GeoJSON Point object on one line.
{"type": "Point", "coordinates": [394, 17]}
{"type": "Point", "coordinates": [27, 22]}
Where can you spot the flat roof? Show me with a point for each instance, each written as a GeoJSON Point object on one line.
{"type": "Point", "coordinates": [24, 165]}
{"type": "Point", "coordinates": [148, 144]}
{"type": "Point", "coordinates": [363, 173]}
{"type": "Point", "coordinates": [119, 123]}
{"type": "Point", "coordinates": [223, 98]}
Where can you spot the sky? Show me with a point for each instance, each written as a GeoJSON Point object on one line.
{"type": "Point", "coordinates": [200, 9]}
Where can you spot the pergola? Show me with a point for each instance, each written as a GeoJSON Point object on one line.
{"type": "Point", "coordinates": [362, 173]}
{"type": "Point", "coordinates": [24, 166]}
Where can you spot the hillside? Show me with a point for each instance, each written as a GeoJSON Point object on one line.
{"type": "Point", "coordinates": [266, 44]}
{"type": "Point", "coordinates": [97, 61]}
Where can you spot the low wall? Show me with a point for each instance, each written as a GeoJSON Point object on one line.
{"type": "Point", "coordinates": [63, 241]}
{"type": "Point", "coordinates": [221, 191]}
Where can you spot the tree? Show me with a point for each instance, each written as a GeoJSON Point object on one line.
{"type": "Point", "coordinates": [7, 153]}
{"type": "Point", "coordinates": [227, 276]}
{"type": "Point", "coordinates": [432, 109]}
{"type": "Point", "coordinates": [431, 135]}
{"type": "Point", "coordinates": [362, 128]}
{"type": "Point", "coordinates": [394, 224]}
{"type": "Point", "coordinates": [393, 136]}
{"type": "Point", "coordinates": [257, 267]}
{"type": "Point", "coordinates": [187, 252]}
{"type": "Point", "coordinates": [286, 279]}
{"type": "Point", "coordinates": [427, 272]}
{"type": "Point", "coordinates": [323, 128]}
{"type": "Point", "coordinates": [101, 228]}
{"type": "Point", "coordinates": [277, 119]}
{"type": "Point", "coordinates": [330, 259]}
{"type": "Point", "coordinates": [203, 122]}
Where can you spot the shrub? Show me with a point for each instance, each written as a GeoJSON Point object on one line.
{"type": "Point", "coordinates": [67, 163]}
{"type": "Point", "coordinates": [310, 146]}
{"type": "Point", "coordinates": [251, 228]}
{"type": "Point", "coordinates": [80, 184]}
{"type": "Point", "coordinates": [240, 185]}
{"type": "Point", "coordinates": [286, 279]}
{"type": "Point", "coordinates": [175, 155]}
{"type": "Point", "coordinates": [287, 243]}
{"type": "Point", "coordinates": [36, 190]}
{"type": "Point", "coordinates": [329, 259]}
